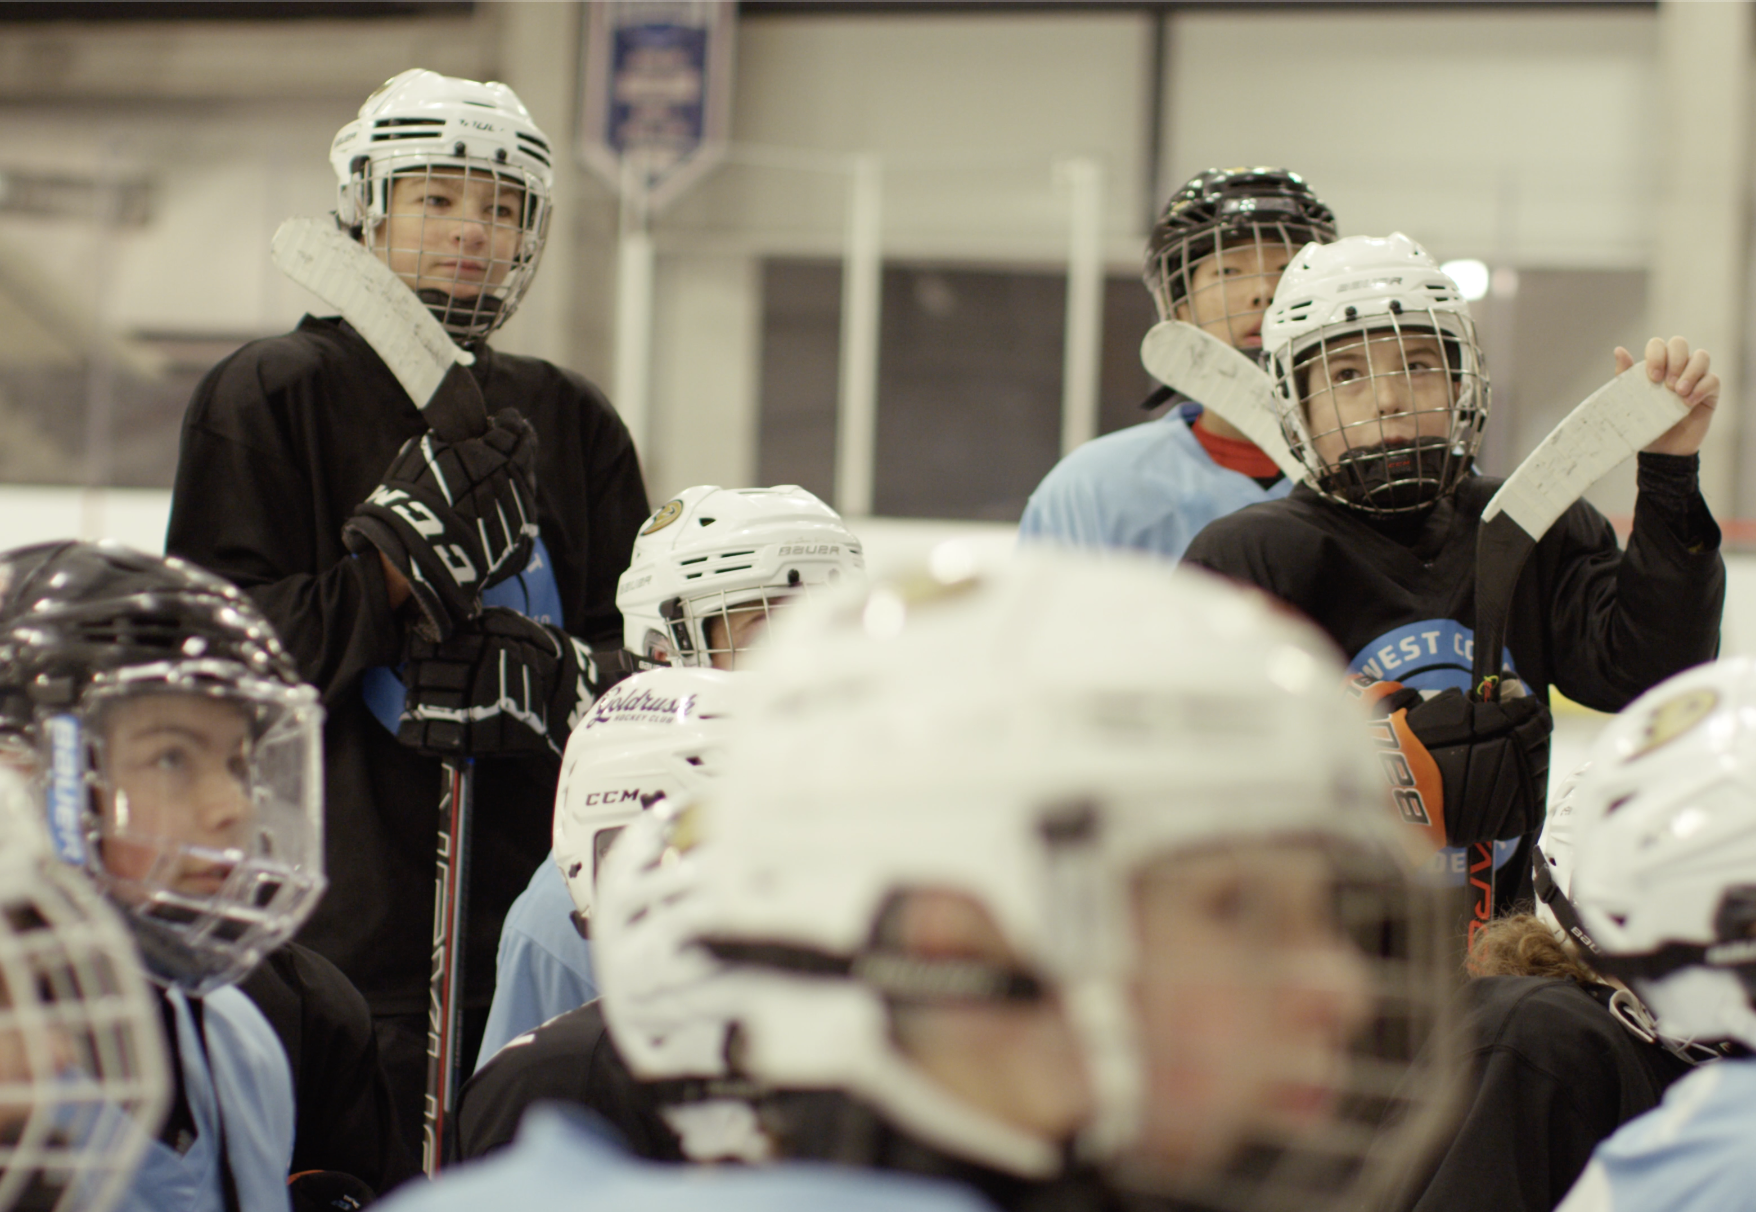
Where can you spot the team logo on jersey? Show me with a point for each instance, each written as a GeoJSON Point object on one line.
{"type": "Point", "coordinates": [1433, 654]}
{"type": "Point", "coordinates": [1672, 718]}
{"type": "Point", "coordinates": [669, 512]}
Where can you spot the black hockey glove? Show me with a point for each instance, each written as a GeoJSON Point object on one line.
{"type": "Point", "coordinates": [454, 518]}
{"type": "Point", "coordinates": [503, 684]}
{"type": "Point", "coordinates": [1467, 772]}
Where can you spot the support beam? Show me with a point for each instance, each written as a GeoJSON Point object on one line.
{"type": "Point", "coordinates": [862, 284]}
{"type": "Point", "coordinates": [1081, 364]}
{"type": "Point", "coordinates": [1701, 170]}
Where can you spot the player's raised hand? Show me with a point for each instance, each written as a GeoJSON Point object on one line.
{"type": "Point", "coordinates": [1688, 374]}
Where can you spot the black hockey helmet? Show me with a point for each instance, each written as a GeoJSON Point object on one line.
{"type": "Point", "coordinates": [71, 610]}
{"type": "Point", "coordinates": [92, 634]}
{"type": "Point", "coordinates": [1219, 205]}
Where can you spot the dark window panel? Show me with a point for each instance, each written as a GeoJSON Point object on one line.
{"type": "Point", "coordinates": [801, 344]}
{"type": "Point", "coordinates": [969, 395]}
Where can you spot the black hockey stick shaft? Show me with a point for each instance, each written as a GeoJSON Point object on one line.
{"type": "Point", "coordinates": [445, 988]}
{"type": "Point", "coordinates": [1610, 425]}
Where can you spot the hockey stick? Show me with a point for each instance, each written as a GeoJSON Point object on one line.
{"type": "Point", "coordinates": [1618, 419]}
{"type": "Point", "coordinates": [394, 322]}
{"type": "Point", "coordinates": [1612, 423]}
{"type": "Point", "coordinates": [433, 370]}
{"type": "Point", "coordinates": [1216, 376]}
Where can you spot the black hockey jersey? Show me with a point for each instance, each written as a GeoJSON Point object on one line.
{"type": "Point", "coordinates": [1397, 594]}
{"type": "Point", "coordinates": [281, 441]}
{"type": "Point", "coordinates": [1552, 1073]}
{"type": "Point", "coordinates": [569, 1059]}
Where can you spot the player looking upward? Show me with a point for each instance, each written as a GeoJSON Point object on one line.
{"type": "Point", "coordinates": [1215, 256]}
{"type": "Point", "coordinates": [1383, 394]}
{"type": "Point", "coordinates": [285, 444]}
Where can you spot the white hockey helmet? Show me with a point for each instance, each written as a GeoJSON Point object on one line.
{"type": "Point", "coordinates": [713, 553]}
{"type": "Point", "coordinates": [652, 736]}
{"type": "Point", "coordinates": [422, 123]}
{"type": "Point", "coordinates": [1552, 866]}
{"type": "Point", "coordinates": [83, 1074]}
{"type": "Point", "coordinates": [1368, 298]}
{"type": "Point", "coordinates": [1665, 873]}
{"type": "Point", "coordinates": [180, 753]}
{"type": "Point", "coordinates": [933, 735]}
{"type": "Point", "coordinates": [662, 996]}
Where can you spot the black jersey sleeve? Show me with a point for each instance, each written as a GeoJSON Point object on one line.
{"type": "Point", "coordinates": [618, 506]}
{"type": "Point", "coordinates": [569, 1059]}
{"type": "Point", "coordinates": [1551, 1074]}
{"type": "Point", "coordinates": [346, 1118]}
{"type": "Point", "coordinates": [244, 506]}
{"type": "Point", "coordinates": [1619, 622]}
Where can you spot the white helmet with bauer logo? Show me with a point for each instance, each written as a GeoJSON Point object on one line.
{"type": "Point", "coordinates": [714, 558]}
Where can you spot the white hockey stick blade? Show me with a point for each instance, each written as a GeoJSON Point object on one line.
{"type": "Point", "coordinates": [369, 296]}
{"type": "Point", "coordinates": [1611, 424]}
{"type": "Point", "coordinates": [1216, 376]}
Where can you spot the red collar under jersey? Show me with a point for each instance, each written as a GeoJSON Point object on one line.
{"type": "Point", "coordinates": [1234, 454]}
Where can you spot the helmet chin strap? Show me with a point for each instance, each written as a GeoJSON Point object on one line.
{"type": "Point", "coordinates": [467, 320]}
{"type": "Point", "coordinates": [1392, 478]}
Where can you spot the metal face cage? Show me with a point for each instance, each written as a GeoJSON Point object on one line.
{"type": "Point", "coordinates": [1221, 280]}
{"type": "Point", "coordinates": [1390, 410]}
{"type": "Point", "coordinates": [714, 629]}
{"type": "Point", "coordinates": [464, 232]}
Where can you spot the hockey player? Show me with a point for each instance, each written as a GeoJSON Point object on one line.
{"type": "Point", "coordinates": [1383, 394]}
{"type": "Point", "coordinates": [653, 736]}
{"type": "Point", "coordinates": [1561, 1054]}
{"type": "Point", "coordinates": [1024, 916]}
{"type": "Point", "coordinates": [1213, 261]}
{"type": "Point", "coordinates": [179, 755]}
{"type": "Point", "coordinates": [649, 1054]}
{"type": "Point", "coordinates": [283, 446]}
{"type": "Point", "coordinates": [1663, 882]}
{"type": "Point", "coordinates": [708, 567]}
{"type": "Point", "coordinates": [83, 1078]}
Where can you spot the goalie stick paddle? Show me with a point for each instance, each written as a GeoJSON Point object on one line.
{"type": "Point", "coordinates": [434, 372]}
{"type": "Point", "coordinates": [1216, 376]}
{"type": "Point", "coordinates": [1612, 423]}
{"type": "Point", "coordinates": [392, 319]}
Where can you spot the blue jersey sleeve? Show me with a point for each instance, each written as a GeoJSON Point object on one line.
{"type": "Point", "coordinates": [1691, 1153]}
{"type": "Point", "coordinates": [1150, 487]}
{"type": "Point", "coordinates": [543, 967]}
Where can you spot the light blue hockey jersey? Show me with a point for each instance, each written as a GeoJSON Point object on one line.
{"type": "Point", "coordinates": [1150, 487]}
{"type": "Point", "coordinates": [560, 1161]}
{"type": "Point", "coordinates": [1694, 1152]}
{"type": "Point", "coordinates": [248, 1082]}
{"type": "Point", "coordinates": [543, 967]}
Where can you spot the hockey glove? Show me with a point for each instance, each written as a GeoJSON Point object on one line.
{"type": "Point", "coordinates": [1465, 772]}
{"type": "Point", "coordinates": [454, 518]}
{"type": "Point", "coordinates": [503, 684]}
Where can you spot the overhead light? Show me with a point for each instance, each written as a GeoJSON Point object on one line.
{"type": "Point", "coordinates": [1472, 277]}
